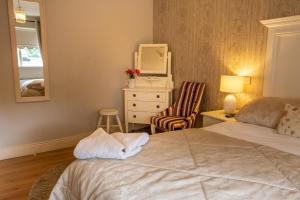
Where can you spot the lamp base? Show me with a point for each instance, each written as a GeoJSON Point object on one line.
{"type": "Point", "coordinates": [230, 105]}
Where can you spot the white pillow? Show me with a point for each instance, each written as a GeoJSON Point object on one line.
{"type": "Point", "coordinates": [289, 124]}
{"type": "Point", "coordinates": [265, 111]}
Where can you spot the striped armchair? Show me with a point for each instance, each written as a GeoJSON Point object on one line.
{"type": "Point", "coordinates": [184, 112]}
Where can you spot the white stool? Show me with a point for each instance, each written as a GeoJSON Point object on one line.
{"type": "Point", "coordinates": [108, 112]}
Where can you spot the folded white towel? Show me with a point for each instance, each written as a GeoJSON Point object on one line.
{"type": "Point", "coordinates": [131, 141]}
{"type": "Point", "coordinates": [116, 146]}
{"type": "Point", "coordinates": [102, 145]}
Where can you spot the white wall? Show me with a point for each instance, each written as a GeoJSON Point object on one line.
{"type": "Point", "coordinates": [89, 45]}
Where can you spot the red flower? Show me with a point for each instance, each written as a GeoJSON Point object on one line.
{"type": "Point", "coordinates": [137, 72]}
{"type": "Point", "coordinates": [133, 73]}
{"type": "Point", "coordinates": [129, 71]}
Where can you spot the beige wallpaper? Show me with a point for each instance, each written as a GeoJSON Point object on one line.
{"type": "Point", "coordinates": [209, 38]}
{"type": "Point", "coordinates": [89, 45]}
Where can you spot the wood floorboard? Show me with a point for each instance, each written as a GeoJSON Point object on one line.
{"type": "Point", "coordinates": [18, 174]}
{"type": "Point", "coordinates": [32, 166]}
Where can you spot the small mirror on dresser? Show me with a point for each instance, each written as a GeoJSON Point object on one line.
{"type": "Point", "coordinates": [154, 63]}
{"type": "Point", "coordinates": [29, 50]}
{"type": "Point", "coordinates": [153, 58]}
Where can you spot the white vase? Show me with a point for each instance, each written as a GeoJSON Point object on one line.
{"type": "Point", "coordinates": [131, 83]}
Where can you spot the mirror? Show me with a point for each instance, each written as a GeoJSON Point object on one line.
{"type": "Point", "coordinates": [28, 44]}
{"type": "Point", "coordinates": [153, 58]}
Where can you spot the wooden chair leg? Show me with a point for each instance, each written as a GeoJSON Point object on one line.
{"type": "Point", "coordinates": [107, 124]}
{"type": "Point", "coordinates": [153, 129]}
{"type": "Point", "coordinates": [119, 123]}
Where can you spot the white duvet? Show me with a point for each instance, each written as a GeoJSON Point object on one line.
{"type": "Point", "coordinates": [188, 164]}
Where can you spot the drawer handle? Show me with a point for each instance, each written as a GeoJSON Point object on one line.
{"type": "Point", "coordinates": [134, 116]}
{"type": "Point", "coordinates": [157, 106]}
{"type": "Point", "coordinates": [134, 105]}
{"type": "Point", "coordinates": [134, 95]}
{"type": "Point", "coordinates": [157, 96]}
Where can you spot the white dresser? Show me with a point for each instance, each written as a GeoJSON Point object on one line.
{"type": "Point", "coordinates": [152, 92]}
{"type": "Point", "coordinates": [142, 103]}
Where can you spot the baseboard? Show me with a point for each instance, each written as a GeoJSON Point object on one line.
{"type": "Point", "coordinates": [39, 147]}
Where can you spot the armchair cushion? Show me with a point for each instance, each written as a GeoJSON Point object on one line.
{"type": "Point", "coordinates": [169, 122]}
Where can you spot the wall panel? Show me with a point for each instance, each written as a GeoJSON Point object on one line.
{"type": "Point", "coordinates": [209, 38]}
{"type": "Point", "coordinates": [90, 44]}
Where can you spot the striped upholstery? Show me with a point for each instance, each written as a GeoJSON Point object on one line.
{"type": "Point", "coordinates": [184, 112]}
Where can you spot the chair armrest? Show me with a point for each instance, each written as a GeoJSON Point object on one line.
{"type": "Point", "coordinates": [191, 120]}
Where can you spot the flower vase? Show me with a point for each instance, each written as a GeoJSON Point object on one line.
{"type": "Point", "coordinates": [131, 83]}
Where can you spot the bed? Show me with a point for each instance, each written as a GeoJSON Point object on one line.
{"type": "Point", "coordinates": [33, 88]}
{"type": "Point", "coordinates": [191, 164]}
{"type": "Point", "coordinates": [226, 161]}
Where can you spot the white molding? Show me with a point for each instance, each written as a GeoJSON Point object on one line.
{"type": "Point", "coordinates": [280, 22]}
{"type": "Point", "coordinates": [278, 30]}
{"type": "Point", "coordinates": [39, 147]}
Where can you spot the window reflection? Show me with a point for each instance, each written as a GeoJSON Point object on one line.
{"type": "Point", "coordinates": [28, 41]}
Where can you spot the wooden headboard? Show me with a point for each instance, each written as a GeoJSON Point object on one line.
{"type": "Point", "coordinates": [282, 73]}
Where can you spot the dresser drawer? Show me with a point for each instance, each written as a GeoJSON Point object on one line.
{"type": "Point", "coordinates": [146, 106]}
{"type": "Point", "coordinates": [140, 117]}
{"type": "Point", "coordinates": [147, 96]}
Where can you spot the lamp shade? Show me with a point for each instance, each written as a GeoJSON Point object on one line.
{"type": "Point", "coordinates": [232, 84]}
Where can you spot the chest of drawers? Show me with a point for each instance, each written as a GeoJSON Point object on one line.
{"type": "Point", "coordinates": [142, 103]}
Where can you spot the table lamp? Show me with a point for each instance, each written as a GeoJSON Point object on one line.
{"type": "Point", "coordinates": [231, 85]}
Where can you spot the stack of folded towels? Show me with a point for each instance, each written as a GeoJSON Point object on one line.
{"type": "Point", "coordinates": [100, 144]}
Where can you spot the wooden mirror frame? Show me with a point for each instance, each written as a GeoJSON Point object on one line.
{"type": "Point", "coordinates": [12, 23]}
{"type": "Point", "coordinates": [163, 71]}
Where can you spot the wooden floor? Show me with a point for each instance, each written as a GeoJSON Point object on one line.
{"type": "Point", "coordinates": [17, 175]}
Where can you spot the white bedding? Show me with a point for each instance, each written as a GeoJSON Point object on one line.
{"type": "Point", "coordinates": [257, 134]}
{"type": "Point", "coordinates": [189, 164]}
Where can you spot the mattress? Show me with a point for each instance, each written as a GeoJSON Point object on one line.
{"type": "Point", "coordinates": [189, 164]}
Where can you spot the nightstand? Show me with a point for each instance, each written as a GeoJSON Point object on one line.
{"type": "Point", "coordinates": [215, 117]}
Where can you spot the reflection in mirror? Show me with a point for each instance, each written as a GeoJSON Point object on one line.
{"type": "Point", "coordinates": [153, 58]}
{"type": "Point", "coordinates": [29, 52]}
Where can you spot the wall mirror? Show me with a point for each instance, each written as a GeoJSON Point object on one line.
{"type": "Point", "coordinates": [29, 49]}
{"type": "Point", "coordinates": [152, 58]}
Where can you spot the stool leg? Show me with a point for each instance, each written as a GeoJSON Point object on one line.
{"type": "Point", "coordinates": [99, 121]}
{"type": "Point", "coordinates": [107, 124]}
{"type": "Point", "coordinates": [119, 123]}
